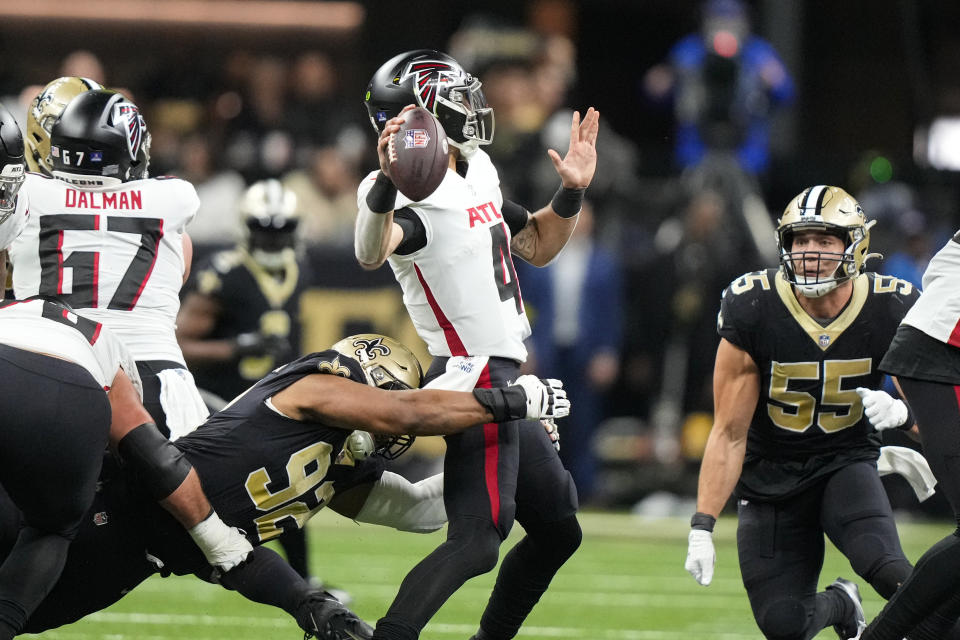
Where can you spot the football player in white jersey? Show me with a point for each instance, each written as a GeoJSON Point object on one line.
{"type": "Point", "coordinates": [925, 358]}
{"type": "Point", "coordinates": [452, 254]}
{"type": "Point", "coordinates": [67, 393]}
{"type": "Point", "coordinates": [13, 208]}
{"type": "Point", "coordinates": [112, 244]}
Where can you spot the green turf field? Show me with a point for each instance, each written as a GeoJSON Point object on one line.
{"type": "Point", "coordinates": [627, 582]}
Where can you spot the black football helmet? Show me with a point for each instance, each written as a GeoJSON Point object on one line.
{"type": "Point", "coordinates": [100, 133]}
{"type": "Point", "coordinates": [436, 82]}
{"type": "Point", "coordinates": [12, 163]}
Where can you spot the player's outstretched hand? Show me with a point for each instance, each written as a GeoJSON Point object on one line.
{"type": "Point", "coordinates": [576, 169]}
{"type": "Point", "coordinates": [320, 615]}
{"type": "Point", "coordinates": [701, 556]}
{"type": "Point", "coordinates": [883, 411]}
{"type": "Point", "coordinates": [546, 398]}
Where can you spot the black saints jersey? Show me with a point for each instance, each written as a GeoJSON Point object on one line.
{"type": "Point", "coordinates": [251, 299]}
{"type": "Point", "coordinates": [265, 472]}
{"type": "Point", "coordinates": [809, 421]}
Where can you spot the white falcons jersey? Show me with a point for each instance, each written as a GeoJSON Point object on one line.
{"type": "Point", "coordinates": [14, 225]}
{"type": "Point", "coordinates": [937, 311]}
{"type": "Point", "coordinates": [50, 328]}
{"type": "Point", "coordinates": [114, 254]}
{"type": "Point", "coordinates": [461, 290]}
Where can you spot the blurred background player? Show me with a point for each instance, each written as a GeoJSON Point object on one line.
{"type": "Point", "coordinates": [112, 243]}
{"type": "Point", "coordinates": [240, 317]}
{"type": "Point", "coordinates": [438, 249]}
{"type": "Point", "coordinates": [13, 206]}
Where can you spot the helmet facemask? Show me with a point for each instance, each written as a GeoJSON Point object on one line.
{"type": "Point", "coordinates": [463, 112]}
{"type": "Point", "coordinates": [11, 179]}
{"type": "Point", "coordinates": [794, 262]}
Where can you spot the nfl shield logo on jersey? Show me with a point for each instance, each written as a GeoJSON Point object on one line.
{"type": "Point", "coordinates": [824, 340]}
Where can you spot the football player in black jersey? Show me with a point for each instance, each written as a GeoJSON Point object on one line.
{"type": "Point", "coordinates": [275, 456]}
{"type": "Point", "coordinates": [800, 345]}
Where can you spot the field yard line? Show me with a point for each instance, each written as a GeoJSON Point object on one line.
{"type": "Point", "coordinates": [444, 629]}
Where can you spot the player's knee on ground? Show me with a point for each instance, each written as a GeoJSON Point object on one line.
{"type": "Point", "coordinates": [784, 619]}
{"type": "Point", "coordinates": [476, 544]}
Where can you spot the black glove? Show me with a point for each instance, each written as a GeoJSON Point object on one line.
{"type": "Point", "coordinates": [322, 616]}
{"type": "Point", "coordinates": [255, 343]}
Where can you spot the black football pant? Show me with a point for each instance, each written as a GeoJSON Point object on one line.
{"type": "Point", "coordinates": [932, 592]}
{"type": "Point", "coordinates": [493, 474]}
{"type": "Point", "coordinates": [781, 547]}
{"type": "Point", "coordinates": [56, 422]}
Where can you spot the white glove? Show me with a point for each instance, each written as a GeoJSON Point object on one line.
{"type": "Point", "coordinates": [882, 411]}
{"type": "Point", "coordinates": [701, 556]}
{"type": "Point", "coordinates": [546, 398]}
{"type": "Point", "coordinates": [224, 547]}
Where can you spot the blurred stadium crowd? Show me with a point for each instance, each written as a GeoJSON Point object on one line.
{"type": "Point", "coordinates": [631, 328]}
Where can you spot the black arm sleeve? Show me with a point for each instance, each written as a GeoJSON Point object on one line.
{"type": "Point", "coordinates": [159, 464]}
{"type": "Point", "coordinates": [414, 233]}
{"type": "Point", "coordinates": [515, 215]}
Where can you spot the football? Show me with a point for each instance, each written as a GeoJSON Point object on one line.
{"type": "Point", "coordinates": [418, 155]}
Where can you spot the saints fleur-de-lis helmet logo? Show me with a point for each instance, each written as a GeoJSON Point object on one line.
{"type": "Point", "coordinates": [386, 363]}
{"type": "Point", "coordinates": [366, 349]}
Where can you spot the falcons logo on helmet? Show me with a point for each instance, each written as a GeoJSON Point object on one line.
{"type": "Point", "coordinates": [428, 75]}
{"type": "Point", "coordinates": [128, 115]}
{"type": "Point", "coordinates": [367, 350]}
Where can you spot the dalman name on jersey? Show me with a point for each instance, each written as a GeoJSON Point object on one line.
{"type": "Point", "coordinates": [113, 253]}
{"type": "Point", "coordinates": [809, 420]}
{"type": "Point", "coordinates": [265, 472]}
{"type": "Point", "coordinates": [461, 289]}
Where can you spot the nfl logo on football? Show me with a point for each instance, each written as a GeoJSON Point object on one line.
{"type": "Point", "coordinates": [824, 340]}
{"type": "Point", "coordinates": [416, 139]}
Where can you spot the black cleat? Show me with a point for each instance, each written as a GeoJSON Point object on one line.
{"type": "Point", "coordinates": [853, 628]}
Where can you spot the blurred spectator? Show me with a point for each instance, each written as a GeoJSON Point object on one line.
{"type": "Point", "coordinates": [576, 309]}
{"type": "Point", "coordinates": [675, 318]}
{"type": "Point", "coordinates": [219, 189]}
{"type": "Point", "coordinates": [84, 64]}
{"type": "Point", "coordinates": [258, 143]}
{"type": "Point", "coordinates": [724, 83]}
{"type": "Point", "coordinates": [327, 194]}
{"type": "Point", "coordinates": [909, 260]}
{"type": "Point", "coordinates": [317, 113]}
